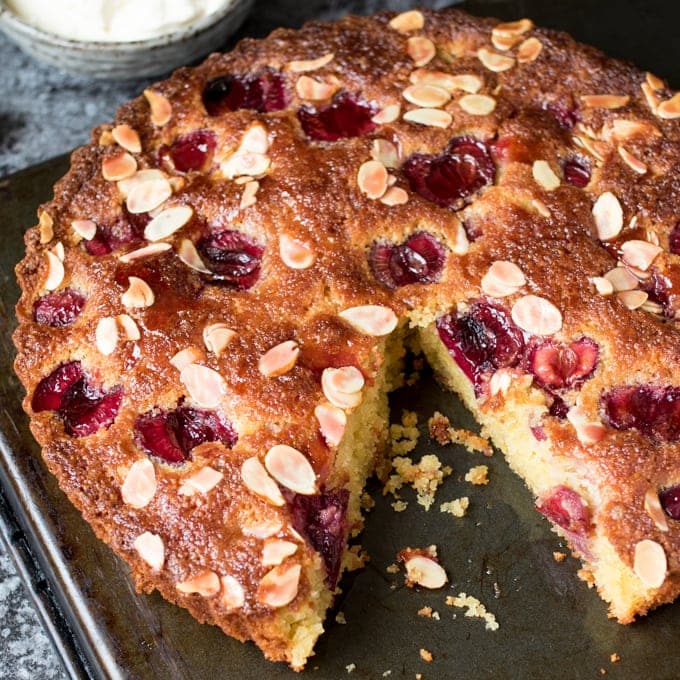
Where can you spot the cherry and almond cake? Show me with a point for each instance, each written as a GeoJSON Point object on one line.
{"type": "Point", "coordinates": [218, 298]}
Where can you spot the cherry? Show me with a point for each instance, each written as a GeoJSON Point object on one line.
{"type": "Point", "coordinates": [193, 151]}
{"type": "Point", "coordinates": [233, 257]}
{"type": "Point", "coordinates": [60, 308]}
{"type": "Point", "coordinates": [127, 229]}
{"type": "Point", "coordinates": [50, 391]}
{"type": "Point", "coordinates": [670, 501]}
{"type": "Point", "coordinates": [556, 365]}
{"type": "Point", "coordinates": [264, 92]}
{"type": "Point", "coordinates": [419, 259]}
{"type": "Point", "coordinates": [462, 169]}
{"type": "Point", "coordinates": [576, 173]}
{"type": "Point", "coordinates": [344, 117]}
{"type": "Point", "coordinates": [566, 117]}
{"type": "Point", "coordinates": [674, 240]}
{"type": "Point", "coordinates": [567, 509]}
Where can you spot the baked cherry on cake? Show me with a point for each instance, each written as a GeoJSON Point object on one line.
{"type": "Point", "coordinates": [216, 301]}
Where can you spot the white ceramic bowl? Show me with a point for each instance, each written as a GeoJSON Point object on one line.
{"type": "Point", "coordinates": [122, 60]}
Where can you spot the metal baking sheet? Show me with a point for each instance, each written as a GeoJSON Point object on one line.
{"type": "Point", "coordinates": [551, 624]}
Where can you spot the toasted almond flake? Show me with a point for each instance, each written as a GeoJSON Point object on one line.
{"type": "Point", "coordinates": [290, 468]}
{"type": "Point", "coordinates": [139, 486]}
{"type": "Point", "coordinates": [500, 381]}
{"type": "Point", "coordinates": [216, 337]}
{"type": "Point", "coordinates": [205, 385]}
{"type": "Point", "coordinates": [541, 208]}
{"type": "Point", "coordinates": [385, 152]}
{"type": "Point", "coordinates": [426, 96]}
{"type": "Point", "coordinates": [621, 279]}
{"type": "Point", "coordinates": [621, 129]}
{"type": "Point", "coordinates": [279, 359]}
{"type": "Point", "coordinates": [294, 253]}
{"type": "Point", "coordinates": [265, 528]}
{"type": "Point", "coordinates": [151, 549]}
{"type": "Point", "coordinates": [650, 564]}
{"type": "Point", "coordinates": [46, 227]}
{"type": "Point", "coordinates": [125, 186]}
{"type": "Point", "coordinates": [631, 161]}
{"type": "Point", "coordinates": [652, 308]}
{"type": "Point", "coordinates": [127, 137]}
{"type": "Point", "coordinates": [421, 50]}
{"type": "Point", "coordinates": [608, 216]}
{"type": "Point", "coordinates": [249, 196]}
{"type": "Point", "coordinates": [245, 164]}
{"type": "Point", "coordinates": [654, 510]}
{"type": "Point", "coordinates": [652, 100]}
{"type": "Point", "coordinates": [86, 229]}
{"type": "Point", "coordinates": [167, 222]}
{"type": "Point", "coordinates": [148, 195]}
{"type": "Point", "coordinates": [189, 255]}
{"type": "Point", "coordinates": [468, 82]}
{"type": "Point", "coordinates": [633, 298]}
{"type": "Point", "coordinates": [605, 101]}
{"type": "Point", "coordinates": [186, 357]}
{"type": "Point", "coordinates": [55, 271]}
{"type": "Point", "coordinates": [462, 244]}
{"type": "Point", "coordinates": [545, 175]}
{"type": "Point", "coordinates": [106, 138]}
{"type": "Point", "coordinates": [493, 61]}
{"type": "Point", "coordinates": [58, 250]}
{"type": "Point", "coordinates": [145, 251]}
{"type": "Point", "coordinates": [387, 115]}
{"type": "Point", "coordinates": [206, 583]}
{"type": "Point", "coordinates": [669, 109]}
{"type": "Point", "coordinates": [504, 42]}
{"type": "Point", "coordinates": [588, 432]}
{"type": "Point", "coordinates": [529, 50]}
{"type": "Point", "coordinates": [332, 423]}
{"type": "Point", "coordinates": [518, 27]}
{"type": "Point", "coordinates": [304, 65]}
{"type": "Point", "coordinates": [203, 481]}
{"type": "Point", "coordinates": [429, 117]}
{"type": "Point", "coordinates": [257, 480]}
{"type": "Point", "coordinates": [279, 586]}
{"type": "Point", "coordinates": [477, 104]}
{"type": "Point", "coordinates": [119, 167]}
{"type": "Point", "coordinates": [654, 81]}
{"type": "Point", "coordinates": [640, 254]}
{"type": "Point", "coordinates": [375, 320]}
{"type": "Point", "coordinates": [394, 196]}
{"type": "Point", "coordinates": [413, 20]}
{"type": "Point", "coordinates": [255, 140]}
{"type": "Point", "coordinates": [503, 279]}
{"type": "Point", "coordinates": [602, 286]}
{"type": "Point", "coordinates": [372, 179]}
{"type": "Point", "coordinates": [138, 294]}
{"type": "Point", "coordinates": [314, 90]}
{"type": "Point", "coordinates": [342, 386]}
{"type": "Point", "coordinates": [536, 315]}
{"type": "Point", "coordinates": [425, 572]}
{"type": "Point", "coordinates": [161, 109]}
{"type": "Point", "coordinates": [106, 335]}
{"type": "Point", "coordinates": [276, 550]}
{"type": "Point", "coordinates": [233, 594]}
{"type": "Point", "coordinates": [596, 149]}
{"type": "Point", "coordinates": [128, 326]}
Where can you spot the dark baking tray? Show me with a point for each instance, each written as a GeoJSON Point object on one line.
{"type": "Point", "coordinates": [501, 552]}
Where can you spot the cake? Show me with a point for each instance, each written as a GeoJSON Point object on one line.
{"type": "Point", "coordinates": [219, 298]}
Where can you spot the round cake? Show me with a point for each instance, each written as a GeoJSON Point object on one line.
{"type": "Point", "coordinates": [218, 299]}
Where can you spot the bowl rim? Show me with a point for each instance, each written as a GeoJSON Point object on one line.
{"type": "Point", "coordinates": [12, 19]}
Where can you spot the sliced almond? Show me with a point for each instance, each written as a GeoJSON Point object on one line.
{"type": "Point", "coordinates": [545, 175]}
{"type": "Point", "coordinates": [529, 50]}
{"type": "Point", "coordinates": [139, 486]}
{"type": "Point", "coordinates": [161, 109]}
{"type": "Point", "coordinates": [500, 381]}
{"type": "Point", "coordinates": [621, 129]}
{"type": "Point", "coordinates": [372, 179]}
{"type": "Point", "coordinates": [426, 96]}
{"type": "Point", "coordinates": [633, 298]}
{"type": "Point", "coordinates": [127, 137]}
{"type": "Point", "coordinates": [265, 528]}
{"type": "Point", "coordinates": [394, 196]}
{"type": "Point", "coordinates": [413, 20]}
{"type": "Point", "coordinates": [421, 50]}
{"type": "Point", "coordinates": [233, 594]}
{"type": "Point", "coordinates": [654, 81]}
{"type": "Point", "coordinates": [425, 572]}
{"type": "Point", "coordinates": [167, 222]}
{"type": "Point", "coordinates": [669, 109]}
{"type": "Point", "coordinates": [654, 510]}
{"type": "Point", "coordinates": [279, 359]}
{"type": "Point", "coordinates": [650, 564]}
{"type": "Point", "coordinates": [119, 167]}
{"type": "Point", "coordinates": [294, 253]}
{"type": "Point", "coordinates": [257, 480]}
{"type": "Point", "coordinates": [509, 28]}
{"type": "Point", "coordinates": [468, 82]}
{"type": "Point", "coordinates": [125, 186]}
{"type": "Point", "coordinates": [46, 227]}
{"type": "Point", "coordinates": [621, 279]}
{"type": "Point", "coordinates": [536, 315]}
{"type": "Point", "coordinates": [503, 278]}
{"type": "Point", "coordinates": [387, 115]}
{"type": "Point", "coordinates": [279, 586]}
{"type": "Point", "coordinates": [59, 251]}
{"type": "Point", "coordinates": [148, 195]}
{"type": "Point", "coordinates": [275, 551]}
{"type": "Point", "coordinates": [588, 432]}
{"type": "Point", "coordinates": [605, 101]}
{"type": "Point", "coordinates": [55, 271]}
{"type": "Point", "coordinates": [86, 229]}
{"type": "Point", "coordinates": [255, 139]}
{"type": "Point", "coordinates": [186, 357]}
{"type": "Point", "coordinates": [477, 104]}
{"type": "Point", "coordinates": [541, 208]}
{"type": "Point", "coordinates": [650, 96]}
{"type": "Point", "coordinates": [290, 468]}
{"type": "Point", "coordinates": [493, 61]}
{"type": "Point", "coordinates": [602, 286]}
{"type": "Point", "coordinates": [462, 243]}
{"type": "Point", "coordinates": [128, 326]}
{"type": "Point", "coordinates": [631, 161]}
{"type": "Point", "coordinates": [106, 335]}
{"type": "Point", "coordinates": [203, 481]}
{"type": "Point", "coordinates": [249, 196]}
{"type": "Point", "coordinates": [151, 549]}
{"type": "Point", "coordinates": [385, 152]}
{"type": "Point", "coordinates": [504, 42]}
{"type": "Point", "coordinates": [315, 90]}
{"type": "Point", "coordinates": [342, 386]}
{"type": "Point", "coordinates": [332, 423]}
{"type": "Point", "coordinates": [138, 294]}
{"type": "Point", "coordinates": [640, 254]}
{"type": "Point", "coordinates": [206, 386]}
{"type": "Point", "coordinates": [206, 583]}
{"type": "Point", "coordinates": [375, 320]}
{"type": "Point", "coordinates": [304, 65]}
{"type": "Point", "coordinates": [146, 251]}
{"type": "Point", "coordinates": [189, 255]}
{"type": "Point", "coordinates": [429, 117]}
{"type": "Point", "coordinates": [596, 149]}
{"type": "Point", "coordinates": [608, 216]}
{"type": "Point", "coordinates": [245, 164]}
{"type": "Point", "coordinates": [216, 337]}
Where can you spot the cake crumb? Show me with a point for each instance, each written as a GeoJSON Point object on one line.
{"type": "Point", "coordinates": [393, 569]}
{"type": "Point", "coordinates": [615, 658]}
{"type": "Point", "coordinates": [559, 556]}
{"type": "Point", "coordinates": [442, 432]}
{"type": "Point", "coordinates": [387, 674]}
{"type": "Point", "coordinates": [404, 435]}
{"type": "Point", "coordinates": [425, 477]}
{"type": "Point", "coordinates": [478, 475]}
{"type": "Point", "coordinates": [603, 671]}
{"type": "Point", "coordinates": [419, 676]}
{"type": "Point", "coordinates": [340, 618]}
{"type": "Point", "coordinates": [457, 507]}
{"type": "Point", "coordinates": [474, 609]}
{"type": "Point", "coordinates": [367, 502]}
{"type": "Point", "coordinates": [350, 668]}
{"type": "Point", "coordinates": [586, 576]}
{"type": "Point", "coordinates": [399, 506]}
{"type": "Point", "coordinates": [426, 612]}
{"type": "Point", "coordinates": [355, 558]}
{"type": "Point", "coordinates": [426, 655]}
